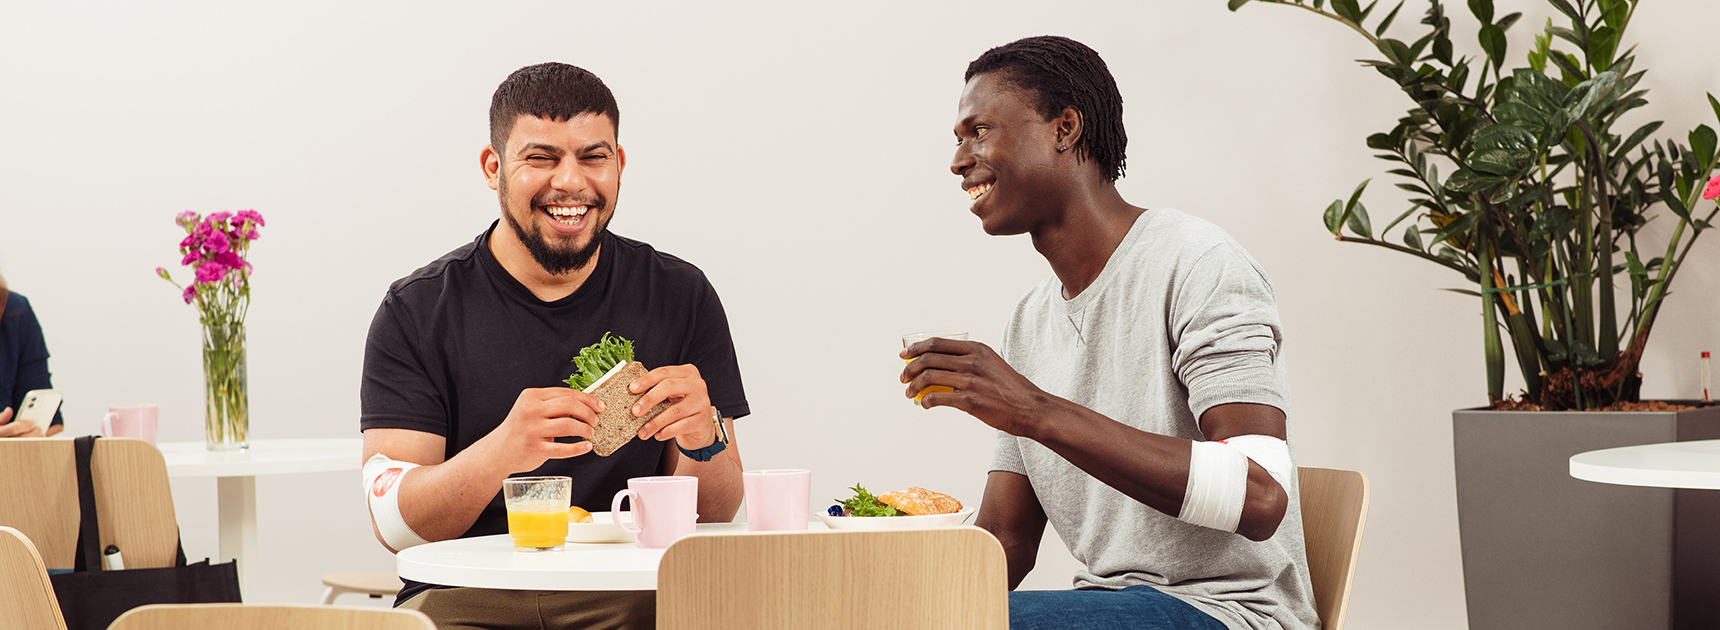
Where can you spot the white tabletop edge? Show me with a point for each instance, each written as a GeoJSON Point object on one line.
{"type": "Point", "coordinates": [1693, 464]}
{"type": "Point", "coordinates": [264, 457]}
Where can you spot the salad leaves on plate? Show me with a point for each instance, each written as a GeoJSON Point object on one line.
{"type": "Point", "coordinates": [864, 504]}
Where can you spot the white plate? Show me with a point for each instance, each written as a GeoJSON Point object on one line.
{"type": "Point", "coordinates": [601, 529]}
{"type": "Point", "coordinates": [874, 523]}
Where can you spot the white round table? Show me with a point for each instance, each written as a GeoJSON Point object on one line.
{"type": "Point", "coordinates": [1667, 465]}
{"type": "Point", "coordinates": [491, 562]}
{"type": "Point", "coordinates": [236, 481]}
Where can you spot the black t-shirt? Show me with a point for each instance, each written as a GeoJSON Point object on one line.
{"type": "Point", "coordinates": [454, 343]}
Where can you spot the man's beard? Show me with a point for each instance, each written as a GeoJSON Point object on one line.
{"type": "Point", "coordinates": [554, 260]}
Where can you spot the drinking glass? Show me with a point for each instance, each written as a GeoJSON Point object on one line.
{"type": "Point", "coordinates": [913, 338]}
{"type": "Point", "coordinates": [537, 511]}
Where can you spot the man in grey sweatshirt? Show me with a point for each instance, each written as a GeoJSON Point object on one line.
{"type": "Point", "coordinates": [1124, 378]}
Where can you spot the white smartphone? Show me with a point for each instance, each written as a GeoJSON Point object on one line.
{"type": "Point", "coordinates": [38, 407]}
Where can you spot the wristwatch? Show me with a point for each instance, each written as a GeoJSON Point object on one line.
{"type": "Point", "coordinates": [717, 446]}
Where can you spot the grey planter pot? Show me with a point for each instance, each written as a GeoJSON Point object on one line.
{"type": "Point", "coordinates": [1544, 550]}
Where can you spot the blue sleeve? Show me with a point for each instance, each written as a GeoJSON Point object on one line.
{"type": "Point", "coordinates": [32, 353]}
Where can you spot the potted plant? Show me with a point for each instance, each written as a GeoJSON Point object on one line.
{"type": "Point", "coordinates": [1541, 208]}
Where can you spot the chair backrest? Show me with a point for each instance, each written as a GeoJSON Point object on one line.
{"type": "Point", "coordinates": [134, 503]}
{"type": "Point", "coordinates": [269, 617]}
{"type": "Point", "coordinates": [26, 596]}
{"type": "Point", "coordinates": [931, 579]}
{"type": "Point", "coordinates": [1334, 511]}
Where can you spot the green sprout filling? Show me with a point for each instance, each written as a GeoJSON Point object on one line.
{"type": "Point", "coordinates": [597, 359]}
{"type": "Point", "coordinates": [864, 504]}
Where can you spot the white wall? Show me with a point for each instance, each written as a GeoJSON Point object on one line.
{"type": "Point", "coordinates": [798, 153]}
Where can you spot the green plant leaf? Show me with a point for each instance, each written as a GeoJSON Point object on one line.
{"type": "Point", "coordinates": [1468, 181]}
{"type": "Point", "coordinates": [1635, 138]}
{"type": "Point", "coordinates": [1564, 6]}
{"type": "Point", "coordinates": [1493, 43]}
{"type": "Point", "coordinates": [1355, 215]}
{"type": "Point", "coordinates": [1482, 10]}
{"type": "Point", "coordinates": [1582, 97]}
{"type": "Point", "coordinates": [1716, 105]}
{"type": "Point", "coordinates": [1673, 203]}
{"type": "Point", "coordinates": [1348, 9]}
{"type": "Point", "coordinates": [1505, 23]}
{"type": "Point", "coordinates": [1380, 31]}
{"type": "Point", "coordinates": [1468, 292]}
{"type": "Point", "coordinates": [1237, 4]}
{"type": "Point", "coordinates": [1334, 217]}
{"type": "Point", "coordinates": [1358, 221]}
{"type": "Point", "coordinates": [1412, 238]}
{"type": "Point", "coordinates": [1702, 144]}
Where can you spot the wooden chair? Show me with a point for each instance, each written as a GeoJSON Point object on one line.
{"type": "Point", "coordinates": [269, 617]}
{"type": "Point", "coordinates": [134, 503]}
{"type": "Point", "coordinates": [928, 579]}
{"type": "Point", "coordinates": [26, 596]}
{"type": "Point", "coordinates": [1334, 511]}
{"type": "Point", "coordinates": [375, 585]}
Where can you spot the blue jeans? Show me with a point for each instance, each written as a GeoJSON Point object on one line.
{"type": "Point", "coordinates": [1141, 607]}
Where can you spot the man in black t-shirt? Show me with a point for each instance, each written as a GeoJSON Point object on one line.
{"type": "Point", "coordinates": [465, 358]}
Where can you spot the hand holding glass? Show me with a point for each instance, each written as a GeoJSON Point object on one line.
{"type": "Point", "coordinates": [913, 338]}
{"type": "Point", "coordinates": [537, 511]}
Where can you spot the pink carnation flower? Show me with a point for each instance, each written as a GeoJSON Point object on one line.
{"type": "Point", "coordinates": [210, 272]}
{"type": "Point", "coordinates": [219, 218]}
{"type": "Point", "coordinates": [190, 292]}
{"type": "Point", "coordinates": [249, 215]}
{"type": "Point", "coordinates": [1712, 192]}
{"type": "Point", "coordinates": [217, 242]}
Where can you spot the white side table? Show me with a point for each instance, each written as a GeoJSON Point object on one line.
{"type": "Point", "coordinates": [236, 482]}
{"type": "Point", "coordinates": [1667, 465]}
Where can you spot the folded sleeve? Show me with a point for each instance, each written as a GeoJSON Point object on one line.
{"type": "Point", "coordinates": [1227, 334]}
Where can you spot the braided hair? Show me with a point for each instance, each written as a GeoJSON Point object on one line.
{"type": "Point", "coordinates": [1062, 73]}
{"type": "Point", "coordinates": [554, 91]}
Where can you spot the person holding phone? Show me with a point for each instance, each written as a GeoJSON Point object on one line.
{"type": "Point", "coordinates": [23, 365]}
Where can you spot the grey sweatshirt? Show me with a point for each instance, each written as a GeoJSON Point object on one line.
{"type": "Point", "coordinates": [1180, 320]}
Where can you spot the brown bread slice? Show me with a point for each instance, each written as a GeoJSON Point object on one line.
{"type": "Point", "coordinates": [920, 501]}
{"type": "Point", "coordinates": [616, 425]}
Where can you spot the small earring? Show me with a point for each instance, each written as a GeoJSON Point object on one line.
{"type": "Point", "coordinates": [1062, 147]}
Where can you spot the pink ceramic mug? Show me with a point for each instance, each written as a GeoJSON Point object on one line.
{"type": "Point", "coordinates": [777, 499]}
{"type": "Point", "coordinates": [132, 421]}
{"type": "Point", "coordinates": [664, 509]}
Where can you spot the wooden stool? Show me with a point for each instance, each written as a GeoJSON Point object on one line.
{"type": "Point", "coordinates": [373, 584]}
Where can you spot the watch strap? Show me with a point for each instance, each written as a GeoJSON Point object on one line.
{"type": "Point", "coordinates": [717, 445]}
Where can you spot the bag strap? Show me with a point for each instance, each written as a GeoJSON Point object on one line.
{"type": "Point", "coordinates": [89, 534]}
{"type": "Point", "coordinates": [89, 555]}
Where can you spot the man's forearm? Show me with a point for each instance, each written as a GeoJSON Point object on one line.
{"type": "Point", "coordinates": [442, 501]}
{"type": "Point", "coordinates": [1149, 467]}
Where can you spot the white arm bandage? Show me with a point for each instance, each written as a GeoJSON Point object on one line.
{"type": "Point", "coordinates": [382, 488]}
{"type": "Point", "coordinates": [1218, 477]}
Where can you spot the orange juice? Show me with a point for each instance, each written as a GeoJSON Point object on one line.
{"type": "Point", "coordinates": [538, 528]}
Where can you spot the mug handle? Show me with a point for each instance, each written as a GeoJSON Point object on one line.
{"type": "Point", "coordinates": [615, 511]}
{"type": "Point", "coordinates": [107, 424]}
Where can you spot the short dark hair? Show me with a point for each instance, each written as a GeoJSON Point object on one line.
{"type": "Point", "coordinates": [1063, 73]}
{"type": "Point", "coordinates": [556, 91]}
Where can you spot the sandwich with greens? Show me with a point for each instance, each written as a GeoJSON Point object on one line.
{"type": "Point", "coordinates": [605, 369]}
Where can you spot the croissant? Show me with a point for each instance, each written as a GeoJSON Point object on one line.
{"type": "Point", "coordinates": [920, 501]}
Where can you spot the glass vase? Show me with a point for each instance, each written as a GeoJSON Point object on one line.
{"type": "Point", "coordinates": [226, 405]}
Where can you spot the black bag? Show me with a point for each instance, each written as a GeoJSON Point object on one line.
{"type": "Point", "coordinates": [91, 598]}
